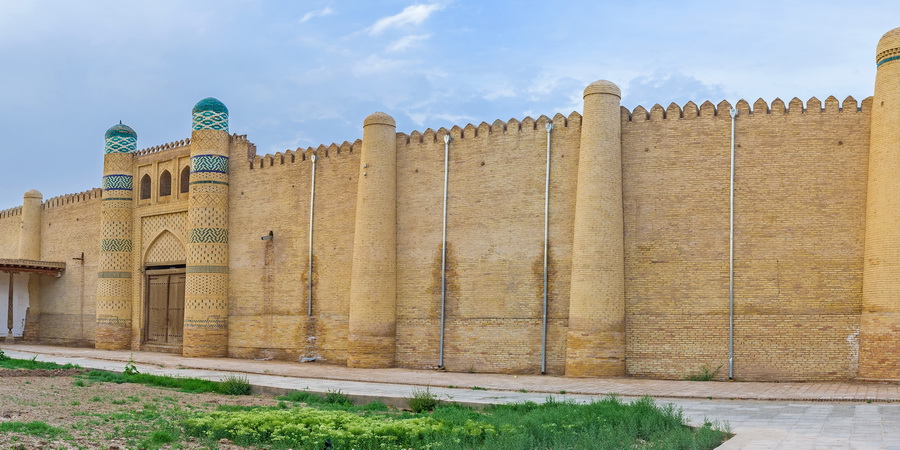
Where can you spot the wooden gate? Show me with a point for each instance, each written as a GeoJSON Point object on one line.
{"type": "Point", "coordinates": [164, 322]}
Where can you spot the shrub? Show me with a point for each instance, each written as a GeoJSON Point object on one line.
{"type": "Point", "coordinates": [130, 368]}
{"type": "Point", "coordinates": [3, 356]}
{"type": "Point", "coordinates": [337, 398]}
{"type": "Point", "coordinates": [422, 400]}
{"type": "Point", "coordinates": [235, 385]}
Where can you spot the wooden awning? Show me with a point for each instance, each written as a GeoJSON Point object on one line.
{"type": "Point", "coordinates": [29, 266]}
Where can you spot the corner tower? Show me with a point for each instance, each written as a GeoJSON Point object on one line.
{"type": "Point", "coordinates": [595, 345]}
{"type": "Point", "coordinates": [879, 340]}
{"type": "Point", "coordinates": [113, 326]}
{"type": "Point", "coordinates": [206, 280]}
{"type": "Point", "coordinates": [373, 285]}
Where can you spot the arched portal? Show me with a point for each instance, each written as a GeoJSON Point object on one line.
{"type": "Point", "coordinates": [164, 279]}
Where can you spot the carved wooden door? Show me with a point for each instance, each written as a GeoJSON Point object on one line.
{"type": "Point", "coordinates": [165, 308]}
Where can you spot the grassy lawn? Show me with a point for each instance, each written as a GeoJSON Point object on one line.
{"type": "Point", "coordinates": [200, 416]}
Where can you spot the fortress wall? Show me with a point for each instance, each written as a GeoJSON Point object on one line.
{"type": "Point", "coordinates": [800, 199]}
{"type": "Point", "coordinates": [70, 226]}
{"type": "Point", "coordinates": [9, 232]}
{"type": "Point", "coordinates": [269, 279]}
{"type": "Point", "coordinates": [799, 231]}
{"type": "Point", "coordinates": [495, 234]}
{"type": "Point", "coordinates": [675, 195]}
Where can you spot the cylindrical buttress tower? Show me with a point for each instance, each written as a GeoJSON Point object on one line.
{"type": "Point", "coordinates": [879, 339]}
{"type": "Point", "coordinates": [373, 285]}
{"type": "Point", "coordinates": [30, 230]}
{"type": "Point", "coordinates": [595, 345]}
{"type": "Point", "coordinates": [113, 326]}
{"type": "Point", "coordinates": [206, 283]}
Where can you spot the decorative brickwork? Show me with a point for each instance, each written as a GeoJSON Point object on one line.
{"type": "Point", "coordinates": [206, 288]}
{"type": "Point", "coordinates": [113, 305]}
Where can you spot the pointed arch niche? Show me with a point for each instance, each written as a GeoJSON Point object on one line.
{"type": "Point", "coordinates": [166, 249]}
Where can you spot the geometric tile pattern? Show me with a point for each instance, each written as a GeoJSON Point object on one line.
{"type": "Point", "coordinates": [209, 114]}
{"type": "Point", "coordinates": [208, 254]}
{"type": "Point", "coordinates": [208, 235]}
{"type": "Point", "coordinates": [165, 248]}
{"type": "Point", "coordinates": [120, 144]}
{"type": "Point", "coordinates": [210, 120]}
{"type": "Point", "coordinates": [114, 280]}
{"type": "Point", "coordinates": [211, 284]}
{"type": "Point", "coordinates": [215, 323]}
{"type": "Point", "coordinates": [115, 245]}
{"type": "Point", "coordinates": [207, 269]}
{"type": "Point", "coordinates": [206, 282]}
{"type": "Point", "coordinates": [209, 163]}
{"type": "Point", "coordinates": [117, 182]}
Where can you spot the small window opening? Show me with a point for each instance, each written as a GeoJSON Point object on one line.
{"type": "Point", "coordinates": [185, 180]}
{"type": "Point", "coordinates": [165, 184]}
{"type": "Point", "coordinates": [145, 187]}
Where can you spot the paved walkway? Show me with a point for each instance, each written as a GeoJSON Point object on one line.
{"type": "Point", "coordinates": [794, 416]}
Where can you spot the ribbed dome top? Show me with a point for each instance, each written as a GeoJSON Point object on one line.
{"type": "Point", "coordinates": [120, 130]}
{"type": "Point", "coordinates": [210, 104]}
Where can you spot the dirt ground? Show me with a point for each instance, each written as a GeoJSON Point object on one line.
{"type": "Point", "coordinates": [95, 414]}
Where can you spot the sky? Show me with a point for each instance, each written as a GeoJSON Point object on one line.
{"type": "Point", "coordinates": [304, 73]}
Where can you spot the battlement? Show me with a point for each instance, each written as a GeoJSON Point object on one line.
{"type": "Point", "coordinates": [513, 125]}
{"type": "Point", "coordinates": [167, 146]}
{"type": "Point", "coordinates": [11, 212]}
{"type": "Point", "coordinates": [67, 199]}
{"type": "Point", "coordinates": [760, 107]}
{"type": "Point", "coordinates": [292, 156]}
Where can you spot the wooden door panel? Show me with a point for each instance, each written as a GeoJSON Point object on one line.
{"type": "Point", "coordinates": [157, 306]}
{"type": "Point", "coordinates": [176, 308]}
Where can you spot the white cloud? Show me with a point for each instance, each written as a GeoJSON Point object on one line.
{"type": "Point", "coordinates": [326, 11]}
{"type": "Point", "coordinates": [408, 41]}
{"type": "Point", "coordinates": [411, 15]}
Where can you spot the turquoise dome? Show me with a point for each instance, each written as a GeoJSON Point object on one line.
{"type": "Point", "coordinates": [210, 104]}
{"type": "Point", "coordinates": [120, 130]}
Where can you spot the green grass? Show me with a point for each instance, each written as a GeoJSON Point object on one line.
{"type": "Point", "coordinates": [39, 429]}
{"type": "Point", "coordinates": [31, 364]}
{"type": "Point", "coordinates": [704, 374]}
{"type": "Point", "coordinates": [192, 385]}
{"type": "Point", "coordinates": [605, 424]}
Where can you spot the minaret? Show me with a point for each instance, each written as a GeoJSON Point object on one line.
{"type": "Point", "coordinates": [595, 346]}
{"type": "Point", "coordinates": [113, 330]}
{"type": "Point", "coordinates": [206, 282]}
{"type": "Point", "coordinates": [373, 284]}
{"type": "Point", "coordinates": [879, 338]}
{"type": "Point", "coordinates": [30, 231]}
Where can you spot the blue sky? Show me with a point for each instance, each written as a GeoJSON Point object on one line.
{"type": "Point", "coordinates": [304, 73]}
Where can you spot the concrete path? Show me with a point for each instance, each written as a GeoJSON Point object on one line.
{"type": "Point", "coordinates": [793, 416]}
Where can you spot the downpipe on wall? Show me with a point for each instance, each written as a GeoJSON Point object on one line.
{"type": "Point", "coordinates": [733, 113]}
{"type": "Point", "coordinates": [312, 200]}
{"type": "Point", "coordinates": [549, 128]}
{"type": "Point", "coordinates": [444, 253]}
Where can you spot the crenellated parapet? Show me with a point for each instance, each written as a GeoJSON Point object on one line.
{"type": "Point", "coordinates": [300, 154]}
{"type": "Point", "coordinates": [759, 108]}
{"type": "Point", "coordinates": [68, 199]}
{"type": "Point", "coordinates": [11, 212]}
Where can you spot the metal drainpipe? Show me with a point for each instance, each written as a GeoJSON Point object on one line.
{"type": "Point", "coordinates": [444, 251]}
{"type": "Point", "coordinates": [549, 127]}
{"type": "Point", "coordinates": [731, 257]}
{"type": "Point", "coordinates": [312, 199]}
